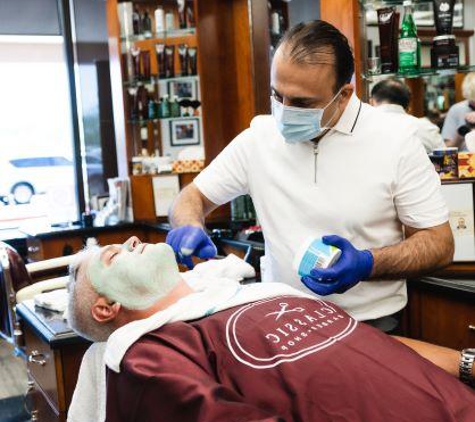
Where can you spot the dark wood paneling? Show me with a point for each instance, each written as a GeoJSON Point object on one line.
{"type": "Point", "coordinates": [225, 66]}
{"type": "Point", "coordinates": [142, 198]}
{"type": "Point", "coordinates": [442, 317]}
{"type": "Point", "coordinates": [42, 411]}
{"type": "Point", "coordinates": [344, 14]}
{"type": "Point", "coordinates": [261, 60]}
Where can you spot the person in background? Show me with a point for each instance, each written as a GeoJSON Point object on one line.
{"type": "Point", "coordinates": [394, 96]}
{"type": "Point", "coordinates": [459, 114]}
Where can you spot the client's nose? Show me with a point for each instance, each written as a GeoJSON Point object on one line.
{"type": "Point", "coordinates": [132, 243]}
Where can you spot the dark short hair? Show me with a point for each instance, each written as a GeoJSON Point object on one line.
{"type": "Point", "coordinates": [392, 91]}
{"type": "Point", "coordinates": [307, 42]}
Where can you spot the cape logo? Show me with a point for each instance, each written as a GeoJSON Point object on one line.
{"type": "Point", "coordinates": [283, 310]}
{"type": "Point", "coordinates": [294, 328]}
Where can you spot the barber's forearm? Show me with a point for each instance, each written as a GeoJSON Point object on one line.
{"type": "Point", "coordinates": [443, 357]}
{"type": "Point", "coordinates": [190, 208]}
{"type": "Point", "coordinates": [422, 252]}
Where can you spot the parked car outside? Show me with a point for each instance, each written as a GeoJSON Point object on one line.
{"type": "Point", "coordinates": [21, 178]}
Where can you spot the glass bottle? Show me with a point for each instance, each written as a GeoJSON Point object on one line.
{"type": "Point", "coordinates": [165, 107]}
{"type": "Point", "coordinates": [147, 25]}
{"type": "Point", "coordinates": [175, 107]}
{"type": "Point", "coordinates": [409, 44]}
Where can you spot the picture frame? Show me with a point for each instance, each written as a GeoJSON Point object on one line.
{"type": "Point", "coordinates": [184, 132]}
{"type": "Point", "coordinates": [185, 88]}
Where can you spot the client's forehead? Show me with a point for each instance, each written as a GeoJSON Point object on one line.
{"type": "Point", "coordinates": [83, 261]}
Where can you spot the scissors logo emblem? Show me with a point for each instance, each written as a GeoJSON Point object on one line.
{"type": "Point", "coordinates": [284, 310]}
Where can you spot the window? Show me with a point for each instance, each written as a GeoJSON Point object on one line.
{"type": "Point", "coordinates": [37, 177]}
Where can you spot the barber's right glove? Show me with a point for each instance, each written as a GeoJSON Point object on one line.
{"type": "Point", "coordinates": [191, 240]}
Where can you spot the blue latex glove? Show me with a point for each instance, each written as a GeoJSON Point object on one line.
{"type": "Point", "coordinates": [352, 267]}
{"type": "Point", "coordinates": [191, 240]}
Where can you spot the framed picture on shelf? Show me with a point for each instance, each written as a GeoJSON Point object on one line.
{"type": "Point", "coordinates": [183, 89]}
{"type": "Point", "coordinates": [184, 132]}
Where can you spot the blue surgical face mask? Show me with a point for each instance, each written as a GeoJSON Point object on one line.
{"type": "Point", "coordinates": [298, 124]}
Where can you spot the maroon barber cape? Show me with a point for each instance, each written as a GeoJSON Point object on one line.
{"type": "Point", "coordinates": [281, 359]}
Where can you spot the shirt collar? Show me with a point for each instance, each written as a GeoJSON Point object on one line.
{"type": "Point", "coordinates": [349, 118]}
{"type": "Point", "coordinates": [392, 108]}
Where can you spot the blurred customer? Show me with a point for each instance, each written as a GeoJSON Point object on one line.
{"type": "Point", "coordinates": [393, 96]}
{"type": "Point", "coordinates": [460, 114]}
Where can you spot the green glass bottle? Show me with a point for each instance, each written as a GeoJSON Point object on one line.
{"type": "Point", "coordinates": [409, 44]}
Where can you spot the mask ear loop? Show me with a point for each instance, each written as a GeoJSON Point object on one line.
{"type": "Point", "coordinates": [326, 127]}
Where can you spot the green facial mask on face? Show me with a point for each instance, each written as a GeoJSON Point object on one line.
{"type": "Point", "coordinates": [136, 279]}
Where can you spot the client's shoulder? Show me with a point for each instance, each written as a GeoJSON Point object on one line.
{"type": "Point", "coordinates": [165, 349]}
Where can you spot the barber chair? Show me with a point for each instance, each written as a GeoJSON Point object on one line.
{"type": "Point", "coordinates": [19, 282]}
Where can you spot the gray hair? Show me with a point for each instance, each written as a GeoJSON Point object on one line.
{"type": "Point", "coordinates": [81, 298]}
{"type": "Point", "coordinates": [468, 87]}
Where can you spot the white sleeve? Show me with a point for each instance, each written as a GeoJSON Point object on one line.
{"type": "Point", "coordinates": [226, 177]}
{"type": "Point", "coordinates": [430, 135]}
{"type": "Point", "coordinates": [449, 130]}
{"type": "Point", "coordinates": [417, 192]}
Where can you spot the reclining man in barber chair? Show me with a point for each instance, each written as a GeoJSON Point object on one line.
{"type": "Point", "coordinates": [261, 352]}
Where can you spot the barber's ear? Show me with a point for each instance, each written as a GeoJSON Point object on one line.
{"type": "Point", "coordinates": [103, 311]}
{"type": "Point", "coordinates": [347, 91]}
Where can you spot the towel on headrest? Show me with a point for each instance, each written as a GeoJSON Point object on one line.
{"type": "Point", "coordinates": [57, 300]}
{"type": "Point", "coordinates": [231, 267]}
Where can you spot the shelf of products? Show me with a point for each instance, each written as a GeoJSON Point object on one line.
{"type": "Point", "coordinates": [160, 36]}
{"type": "Point", "coordinates": [376, 4]}
{"type": "Point", "coordinates": [422, 73]}
{"type": "Point", "coordinates": [154, 79]}
{"type": "Point", "coordinates": [423, 42]}
{"type": "Point", "coordinates": [165, 119]}
{"type": "Point", "coordinates": [159, 47]}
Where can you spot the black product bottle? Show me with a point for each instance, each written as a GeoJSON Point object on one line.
{"type": "Point", "coordinates": [136, 22]}
{"type": "Point", "coordinates": [147, 25]}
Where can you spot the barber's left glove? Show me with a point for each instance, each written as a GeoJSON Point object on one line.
{"type": "Point", "coordinates": [352, 267]}
{"type": "Point", "coordinates": [191, 240]}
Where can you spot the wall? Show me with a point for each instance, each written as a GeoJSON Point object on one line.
{"type": "Point", "coordinates": [469, 23]}
{"type": "Point", "coordinates": [303, 11]}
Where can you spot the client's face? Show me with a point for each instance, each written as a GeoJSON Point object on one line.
{"type": "Point", "coordinates": [132, 257]}
{"type": "Point", "coordinates": [133, 273]}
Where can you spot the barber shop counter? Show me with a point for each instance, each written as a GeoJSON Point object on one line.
{"type": "Point", "coordinates": [441, 311]}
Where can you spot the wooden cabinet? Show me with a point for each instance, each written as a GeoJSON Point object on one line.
{"type": "Point", "coordinates": [442, 314]}
{"type": "Point", "coordinates": [53, 374]}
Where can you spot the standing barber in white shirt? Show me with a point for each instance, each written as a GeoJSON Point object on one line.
{"type": "Point", "coordinates": [326, 164]}
{"type": "Point", "coordinates": [394, 96]}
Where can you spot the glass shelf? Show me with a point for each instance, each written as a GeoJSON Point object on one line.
{"type": "Point", "coordinates": [155, 79]}
{"type": "Point", "coordinates": [173, 33]}
{"type": "Point", "coordinates": [376, 4]}
{"type": "Point", "coordinates": [425, 72]}
{"type": "Point", "coordinates": [167, 119]}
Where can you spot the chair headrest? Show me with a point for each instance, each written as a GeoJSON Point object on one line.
{"type": "Point", "coordinates": [19, 274]}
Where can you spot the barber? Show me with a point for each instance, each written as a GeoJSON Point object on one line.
{"type": "Point", "coordinates": [326, 164]}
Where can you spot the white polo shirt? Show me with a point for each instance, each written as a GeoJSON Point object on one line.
{"type": "Point", "coordinates": [372, 175]}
